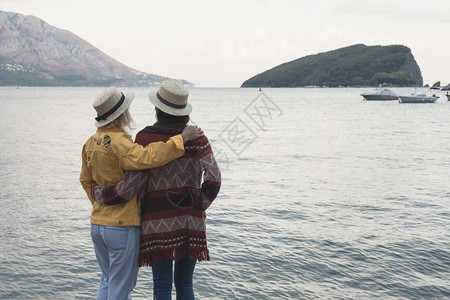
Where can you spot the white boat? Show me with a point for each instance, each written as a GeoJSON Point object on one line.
{"type": "Point", "coordinates": [418, 98]}
{"type": "Point", "coordinates": [380, 94]}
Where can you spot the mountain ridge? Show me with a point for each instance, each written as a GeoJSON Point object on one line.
{"type": "Point", "coordinates": [33, 52]}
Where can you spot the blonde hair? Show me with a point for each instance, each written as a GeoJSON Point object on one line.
{"type": "Point", "coordinates": [124, 121]}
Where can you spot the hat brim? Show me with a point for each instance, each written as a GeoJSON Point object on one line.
{"type": "Point", "coordinates": [167, 109]}
{"type": "Point", "coordinates": [129, 97]}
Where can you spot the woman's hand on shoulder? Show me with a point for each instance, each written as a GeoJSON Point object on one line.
{"type": "Point", "coordinates": [191, 132]}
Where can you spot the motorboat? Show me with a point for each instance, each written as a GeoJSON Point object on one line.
{"type": "Point", "coordinates": [418, 98]}
{"type": "Point", "coordinates": [380, 94]}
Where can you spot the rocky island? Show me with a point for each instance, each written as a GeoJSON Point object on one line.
{"type": "Point", "coordinates": [356, 65]}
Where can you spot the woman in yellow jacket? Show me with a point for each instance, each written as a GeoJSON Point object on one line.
{"type": "Point", "coordinates": [105, 157]}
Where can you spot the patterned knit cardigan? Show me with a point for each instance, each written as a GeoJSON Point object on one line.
{"type": "Point", "coordinates": [173, 198]}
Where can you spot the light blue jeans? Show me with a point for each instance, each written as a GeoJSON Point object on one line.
{"type": "Point", "coordinates": [163, 274]}
{"type": "Point", "coordinates": [117, 252]}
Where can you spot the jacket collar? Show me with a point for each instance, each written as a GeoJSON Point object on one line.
{"type": "Point", "coordinates": [105, 129]}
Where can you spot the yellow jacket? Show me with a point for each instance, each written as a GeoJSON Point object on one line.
{"type": "Point", "coordinates": [105, 157]}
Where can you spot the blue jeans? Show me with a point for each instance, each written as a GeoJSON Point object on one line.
{"type": "Point", "coordinates": [163, 274]}
{"type": "Point", "coordinates": [117, 252]}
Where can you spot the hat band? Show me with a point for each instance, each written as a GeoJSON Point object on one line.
{"type": "Point", "coordinates": [170, 103]}
{"type": "Point", "coordinates": [112, 110]}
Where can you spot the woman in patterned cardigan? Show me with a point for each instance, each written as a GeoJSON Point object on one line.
{"type": "Point", "coordinates": [173, 197]}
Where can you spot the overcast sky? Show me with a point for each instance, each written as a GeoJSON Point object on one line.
{"type": "Point", "coordinates": [223, 43]}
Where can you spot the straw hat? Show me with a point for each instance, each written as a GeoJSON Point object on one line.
{"type": "Point", "coordinates": [171, 98]}
{"type": "Point", "coordinates": [110, 104]}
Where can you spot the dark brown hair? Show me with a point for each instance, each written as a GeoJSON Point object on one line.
{"type": "Point", "coordinates": [164, 119]}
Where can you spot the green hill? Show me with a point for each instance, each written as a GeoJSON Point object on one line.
{"type": "Point", "coordinates": [357, 65]}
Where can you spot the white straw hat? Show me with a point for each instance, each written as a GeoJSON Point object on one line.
{"type": "Point", "coordinates": [171, 98]}
{"type": "Point", "coordinates": [110, 104]}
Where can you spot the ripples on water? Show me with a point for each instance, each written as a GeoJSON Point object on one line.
{"type": "Point", "coordinates": [337, 199]}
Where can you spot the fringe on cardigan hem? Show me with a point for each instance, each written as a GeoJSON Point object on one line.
{"type": "Point", "coordinates": [201, 254]}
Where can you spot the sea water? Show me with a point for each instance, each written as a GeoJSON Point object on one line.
{"type": "Point", "coordinates": [324, 195]}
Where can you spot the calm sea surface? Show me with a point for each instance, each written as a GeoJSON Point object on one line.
{"type": "Point", "coordinates": [324, 195]}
